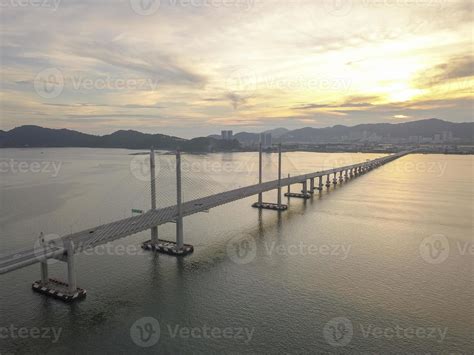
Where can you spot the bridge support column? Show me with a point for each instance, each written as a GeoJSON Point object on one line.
{"type": "Point", "coordinates": [44, 272]}
{"type": "Point", "coordinates": [304, 192]}
{"type": "Point", "coordinates": [260, 168]}
{"type": "Point", "coordinates": [279, 176]}
{"type": "Point", "coordinates": [268, 205]}
{"type": "Point", "coordinates": [328, 182]}
{"type": "Point", "coordinates": [334, 180]}
{"type": "Point", "coordinates": [340, 176]}
{"type": "Point", "coordinates": [154, 230]}
{"type": "Point", "coordinates": [67, 292]}
{"type": "Point", "coordinates": [311, 186]}
{"type": "Point", "coordinates": [289, 186]}
{"type": "Point", "coordinates": [346, 176]}
{"type": "Point", "coordinates": [320, 184]}
{"type": "Point", "coordinates": [71, 270]}
{"type": "Point", "coordinates": [179, 220]}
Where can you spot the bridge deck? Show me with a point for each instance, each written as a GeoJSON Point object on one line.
{"type": "Point", "coordinates": [105, 233]}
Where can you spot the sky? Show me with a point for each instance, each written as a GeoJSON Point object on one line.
{"type": "Point", "coordinates": [195, 67]}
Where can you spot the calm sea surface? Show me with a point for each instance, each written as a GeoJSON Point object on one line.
{"type": "Point", "coordinates": [382, 263]}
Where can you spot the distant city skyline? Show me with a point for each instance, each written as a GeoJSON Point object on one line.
{"type": "Point", "coordinates": [194, 68]}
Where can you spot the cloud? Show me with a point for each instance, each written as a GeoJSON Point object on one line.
{"type": "Point", "coordinates": [152, 64]}
{"type": "Point", "coordinates": [350, 102]}
{"type": "Point", "coordinates": [309, 64]}
{"type": "Point", "coordinates": [459, 67]}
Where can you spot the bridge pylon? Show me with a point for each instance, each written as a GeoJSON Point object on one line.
{"type": "Point", "coordinates": [154, 230]}
{"type": "Point", "coordinates": [269, 205]}
{"type": "Point", "coordinates": [177, 248]}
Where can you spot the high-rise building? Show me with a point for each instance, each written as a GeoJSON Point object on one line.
{"type": "Point", "coordinates": [447, 136]}
{"type": "Point", "coordinates": [266, 140]}
{"type": "Point", "coordinates": [227, 135]}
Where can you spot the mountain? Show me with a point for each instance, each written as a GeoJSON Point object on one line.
{"type": "Point", "coordinates": [137, 140]}
{"type": "Point", "coordinates": [377, 132]}
{"type": "Point", "coordinates": [424, 128]}
{"type": "Point", "coordinates": [247, 138]}
{"type": "Point", "coordinates": [35, 136]}
{"type": "Point", "coordinates": [277, 132]}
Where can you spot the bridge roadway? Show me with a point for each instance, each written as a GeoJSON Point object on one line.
{"type": "Point", "coordinates": [105, 233]}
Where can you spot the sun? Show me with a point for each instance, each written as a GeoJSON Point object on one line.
{"type": "Point", "coordinates": [402, 92]}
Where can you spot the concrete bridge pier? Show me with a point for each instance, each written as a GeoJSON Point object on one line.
{"type": "Point", "coordinates": [341, 179]}
{"type": "Point", "coordinates": [71, 268]}
{"type": "Point", "coordinates": [44, 273]}
{"type": "Point", "coordinates": [311, 186]}
{"type": "Point", "coordinates": [328, 182]}
{"type": "Point", "coordinates": [63, 291]}
{"type": "Point", "coordinates": [346, 175]}
{"type": "Point", "coordinates": [304, 192]}
{"type": "Point", "coordinates": [334, 180]}
{"type": "Point", "coordinates": [320, 184]}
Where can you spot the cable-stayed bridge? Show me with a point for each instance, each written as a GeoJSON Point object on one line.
{"type": "Point", "coordinates": [65, 247]}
